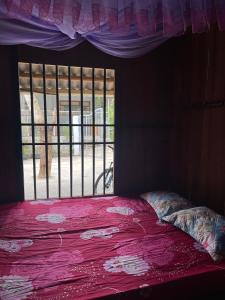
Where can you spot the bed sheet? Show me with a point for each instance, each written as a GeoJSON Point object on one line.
{"type": "Point", "coordinates": [96, 247]}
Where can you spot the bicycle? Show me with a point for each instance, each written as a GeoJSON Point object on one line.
{"type": "Point", "coordinates": [107, 174]}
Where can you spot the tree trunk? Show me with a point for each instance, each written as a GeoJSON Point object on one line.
{"type": "Point", "coordinates": [42, 166]}
{"type": "Point", "coordinates": [50, 129]}
{"type": "Point", "coordinates": [39, 119]}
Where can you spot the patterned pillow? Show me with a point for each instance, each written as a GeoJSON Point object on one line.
{"type": "Point", "coordinates": [165, 203]}
{"type": "Point", "coordinates": [205, 226]}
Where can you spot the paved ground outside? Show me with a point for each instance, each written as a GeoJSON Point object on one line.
{"type": "Point", "coordinates": [65, 176]}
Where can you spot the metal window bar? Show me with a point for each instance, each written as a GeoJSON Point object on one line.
{"type": "Point", "coordinates": [82, 131]}
{"type": "Point", "coordinates": [58, 131]}
{"type": "Point", "coordinates": [68, 143]}
{"type": "Point", "coordinates": [104, 129]}
{"type": "Point", "coordinates": [70, 133]}
{"type": "Point", "coordinates": [84, 120]}
{"type": "Point", "coordinates": [93, 129]}
{"type": "Point", "coordinates": [74, 125]}
{"type": "Point", "coordinates": [32, 128]}
{"type": "Point", "coordinates": [46, 132]}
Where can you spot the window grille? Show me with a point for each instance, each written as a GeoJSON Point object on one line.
{"type": "Point", "coordinates": [67, 123]}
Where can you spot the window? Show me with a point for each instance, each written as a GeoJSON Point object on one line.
{"type": "Point", "coordinates": [67, 123]}
{"type": "Point", "coordinates": [75, 106]}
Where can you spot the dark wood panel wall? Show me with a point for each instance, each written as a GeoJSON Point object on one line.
{"type": "Point", "coordinates": [197, 152]}
{"type": "Point", "coordinates": [11, 175]}
{"type": "Point", "coordinates": [142, 124]}
{"type": "Point", "coordinates": [162, 139]}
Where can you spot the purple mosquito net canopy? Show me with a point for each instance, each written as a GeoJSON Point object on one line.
{"type": "Point", "coordinates": [123, 28]}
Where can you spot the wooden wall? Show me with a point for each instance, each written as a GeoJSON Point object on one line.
{"type": "Point", "coordinates": [162, 141]}
{"type": "Point", "coordinates": [197, 152]}
{"type": "Point", "coordinates": [11, 175]}
{"type": "Point", "coordinates": [142, 125]}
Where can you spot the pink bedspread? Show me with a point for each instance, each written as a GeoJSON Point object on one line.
{"type": "Point", "coordinates": [93, 247]}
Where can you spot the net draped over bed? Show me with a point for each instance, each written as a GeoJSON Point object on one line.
{"type": "Point", "coordinates": [123, 28]}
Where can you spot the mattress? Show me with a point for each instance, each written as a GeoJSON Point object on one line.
{"type": "Point", "coordinates": [98, 247]}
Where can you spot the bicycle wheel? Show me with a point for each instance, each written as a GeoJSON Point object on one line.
{"type": "Point", "coordinates": [99, 183]}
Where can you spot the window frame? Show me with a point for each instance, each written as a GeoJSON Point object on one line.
{"type": "Point", "coordinates": [33, 144]}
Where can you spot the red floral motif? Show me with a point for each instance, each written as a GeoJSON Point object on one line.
{"type": "Point", "coordinates": [147, 248]}
{"type": "Point", "coordinates": [58, 266]}
{"type": "Point", "coordinates": [135, 205]}
{"type": "Point", "coordinates": [15, 214]}
{"type": "Point", "coordinates": [75, 211]}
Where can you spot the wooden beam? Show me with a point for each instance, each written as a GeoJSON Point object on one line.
{"type": "Point", "coordinates": [65, 77]}
{"type": "Point", "coordinates": [65, 91]}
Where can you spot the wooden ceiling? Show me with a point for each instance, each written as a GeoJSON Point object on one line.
{"type": "Point", "coordinates": [63, 84]}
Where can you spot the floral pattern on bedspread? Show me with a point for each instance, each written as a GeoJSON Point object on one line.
{"type": "Point", "coordinates": [14, 245]}
{"type": "Point", "coordinates": [89, 248]}
{"type": "Point", "coordinates": [73, 211]}
{"type": "Point", "coordinates": [14, 287]}
{"type": "Point", "coordinates": [101, 233]}
{"type": "Point", "coordinates": [147, 248]}
{"type": "Point", "coordinates": [122, 210]}
{"type": "Point", "coordinates": [51, 218]}
{"type": "Point", "coordinates": [128, 264]}
{"type": "Point", "coordinates": [55, 267]}
{"type": "Point", "coordinates": [15, 215]}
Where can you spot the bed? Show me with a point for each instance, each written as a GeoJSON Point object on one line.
{"type": "Point", "coordinates": [111, 247]}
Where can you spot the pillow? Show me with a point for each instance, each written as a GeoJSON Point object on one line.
{"type": "Point", "coordinates": [205, 226]}
{"type": "Point", "coordinates": [165, 203]}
